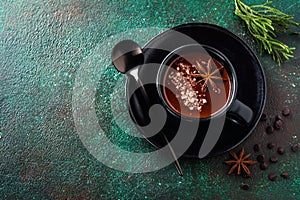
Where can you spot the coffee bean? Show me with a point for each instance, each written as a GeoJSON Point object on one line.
{"type": "Point", "coordinates": [263, 117]}
{"type": "Point", "coordinates": [278, 124]}
{"type": "Point", "coordinates": [245, 186]}
{"type": "Point", "coordinates": [269, 130]}
{"type": "Point", "coordinates": [271, 145]}
{"type": "Point", "coordinates": [286, 112]}
{"type": "Point", "coordinates": [273, 159]}
{"type": "Point", "coordinates": [263, 166]}
{"type": "Point", "coordinates": [256, 147]}
{"type": "Point", "coordinates": [278, 117]}
{"type": "Point", "coordinates": [260, 158]}
{"type": "Point", "coordinates": [272, 176]}
{"type": "Point", "coordinates": [280, 150]}
{"type": "Point", "coordinates": [295, 148]}
{"type": "Point", "coordinates": [285, 175]}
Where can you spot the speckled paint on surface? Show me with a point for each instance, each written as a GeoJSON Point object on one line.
{"type": "Point", "coordinates": [43, 44]}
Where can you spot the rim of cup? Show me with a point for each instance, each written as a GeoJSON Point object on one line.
{"type": "Point", "coordinates": [215, 54]}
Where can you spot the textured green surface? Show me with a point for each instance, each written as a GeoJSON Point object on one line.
{"type": "Point", "coordinates": [43, 44]}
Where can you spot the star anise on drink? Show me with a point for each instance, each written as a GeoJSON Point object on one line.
{"type": "Point", "coordinates": [207, 75]}
{"type": "Point", "coordinates": [240, 162]}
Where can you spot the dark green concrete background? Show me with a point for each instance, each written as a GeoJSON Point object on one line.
{"type": "Point", "coordinates": [43, 43]}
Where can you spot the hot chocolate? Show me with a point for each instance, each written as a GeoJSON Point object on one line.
{"type": "Point", "coordinates": [196, 85]}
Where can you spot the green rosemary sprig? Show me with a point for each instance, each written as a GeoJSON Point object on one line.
{"type": "Point", "coordinates": [263, 23]}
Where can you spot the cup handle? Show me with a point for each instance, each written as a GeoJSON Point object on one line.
{"type": "Point", "coordinates": [240, 113]}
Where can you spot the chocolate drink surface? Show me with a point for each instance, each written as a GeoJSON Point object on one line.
{"type": "Point", "coordinates": [196, 85]}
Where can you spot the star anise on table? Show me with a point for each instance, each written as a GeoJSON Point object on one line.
{"type": "Point", "coordinates": [207, 75]}
{"type": "Point", "coordinates": [240, 162]}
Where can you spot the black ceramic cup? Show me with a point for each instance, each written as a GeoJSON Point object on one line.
{"type": "Point", "coordinates": [235, 110]}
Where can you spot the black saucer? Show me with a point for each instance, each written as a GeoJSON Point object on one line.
{"type": "Point", "coordinates": [250, 78]}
